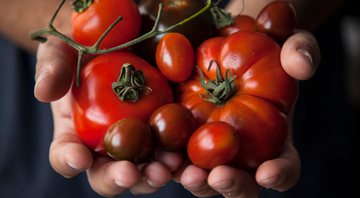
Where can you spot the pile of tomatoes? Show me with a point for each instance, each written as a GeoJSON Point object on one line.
{"type": "Point", "coordinates": [219, 94]}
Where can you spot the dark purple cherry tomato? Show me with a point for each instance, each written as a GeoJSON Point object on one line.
{"type": "Point", "coordinates": [128, 139]}
{"type": "Point", "coordinates": [173, 125]}
{"type": "Point", "coordinates": [277, 19]}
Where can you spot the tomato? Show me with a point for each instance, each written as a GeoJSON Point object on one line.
{"type": "Point", "coordinates": [213, 144]}
{"type": "Point", "coordinates": [90, 24]}
{"type": "Point", "coordinates": [249, 90]}
{"type": "Point", "coordinates": [128, 139]}
{"type": "Point", "coordinates": [277, 19]}
{"type": "Point", "coordinates": [241, 23]}
{"type": "Point", "coordinates": [103, 97]}
{"type": "Point", "coordinates": [174, 11]}
{"type": "Point", "coordinates": [172, 124]}
{"type": "Point", "coordinates": [175, 57]}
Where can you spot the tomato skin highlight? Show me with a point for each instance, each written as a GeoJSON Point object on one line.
{"type": "Point", "coordinates": [172, 125]}
{"type": "Point", "coordinates": [88, 26]}
{"type": "Point", "coordinates": [264, 94]}
{"type": "Point", "coordinates": [175, 57]}
{"type": "Point", "coordinates": [95, 106]}
{"type": "Point", "coordinates": [213, 144]}
{"type": "Point", "coordinates": [128, 139]}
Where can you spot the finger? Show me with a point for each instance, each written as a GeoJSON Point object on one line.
{"type": "Point", "coordinates": [172, 160]}
{"type": "Point", "coordinates": [68, 155]}
{"type": "Point", "coordinates": [281, 173]}
{"type": "Point", "coordinates": [155, 176]}
{"type": "Point", "coordinates": [54, 70]}
{"type": "Point", "coordinates": [231, 182]}
{"type": "Point", "coordinates": [109, 178]}
{"type": "Point", "coordinates": [300, 55]}
{"type": "Point", "coordinates": [194, 179]}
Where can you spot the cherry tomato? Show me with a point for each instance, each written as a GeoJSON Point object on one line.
{"type": "Point", "coordinates": [172, 124]}
{"type": "Point", "coordinates": [175, 57]}
{"type": "Point", "coordinates": [90, 24]}
{"type": "Point", "coordinates": [242, 23]}
{"type": "Point", "coordinates": [103, 97]}
{"type": "Point", "coordinates": [245, 87]}
{"type": "Point", "coordinates": [277, 19]}
{"type": "Point", "coordinates": [213, 144]}
{"type": "Point", "coordinates": [174, 11]}
{"type": "Point", "coordinates": [128, 139]}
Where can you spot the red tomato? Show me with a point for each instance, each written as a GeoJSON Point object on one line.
{"type": "Point", "coordinates": [242, 23]}
{"type": "Point", "coordinates": [89, 25]}
{"type": "Point", "coordinates": [213, 144]}
{"type": "Point", "coordinates": [175, 57]}
{"type": "Point", "coordinates": [128, 139]}
{"type": "Point", "coordinates": [254, 94]}
{"type": "Point", "coordinates": [95, 106]}
{"type": "Point", "coordinates": [278, 19]}
{"type": "Point", "coordinates": [172, 124]}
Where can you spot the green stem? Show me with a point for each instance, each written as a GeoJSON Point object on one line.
{"type": "Point", "coordinates": [81, 5]}
{"type": "Point", "coordinates": [39, 35]}
{"type": "Point", "coordinates": [131, 84]}
{"type": "Point", "coordinates": [220, 89]}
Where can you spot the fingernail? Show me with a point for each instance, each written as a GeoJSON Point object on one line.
{"type": "Point", "coordinates": [271, 182]}
{"type": "Point", "coordinates": [43, 73]}
{"type": "Point", "coordinates": [154, 184]}
{"type": "Point", "coordinates": [307, 54]}
{"type": "Point", "coordinates": [224, 185]}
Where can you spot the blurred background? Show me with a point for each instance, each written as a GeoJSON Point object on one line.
{"type": "Point", "coordinates": [326, 125]}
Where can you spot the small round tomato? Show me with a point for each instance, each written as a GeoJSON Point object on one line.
{"type": "Point", "coordinates": [128, 139]}
{"type": "Point", "coordinates": [174, 11]}
{"type": "Point", "coordinates": [115, 86]}
{"type": "Point", "coordinates": [173, 125]}
{"type": "Point", "coordinates": [213, 144]}
{"type": "Point", "coordinates": [91, 21]}
{"type": "Point", "coordinates": [175, 57]}
{"type": "Point", "coordinates": [241, 23]}
{"type": "Point", "coordinates": [277, 19]}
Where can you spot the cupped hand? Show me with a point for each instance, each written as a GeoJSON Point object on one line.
{"type": "Point", "coordinates": [300, 56]}
{"type": "Point", "coordinates": [68, 156]}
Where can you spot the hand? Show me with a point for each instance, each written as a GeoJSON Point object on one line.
{"type": "Point", "coordinates": [68, 155]}
{"type": "Point", "coordinates": [300, 57]}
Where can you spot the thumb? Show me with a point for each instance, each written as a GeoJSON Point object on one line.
{"type": "Point", "coordinates": [300, 55]}
{"type": "Point", "coordinates": [54, 70]}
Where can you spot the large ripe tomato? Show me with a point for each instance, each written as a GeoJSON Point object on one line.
{"type": "Point", "coordinates": [254, 94]}
{"type": "Point", "coordinates": [175, 57]}
{"type": "Point", "coordinates": [95, 105]}
{"type": "Point", "coordinates": [90, 24]}
{"type": "Point", "coordinates": [213, 144]}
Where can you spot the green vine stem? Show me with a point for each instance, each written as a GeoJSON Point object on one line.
{"type": "Point", "coordinates": [39, 35]}
{"type": "Point", "coordinates": [131, 84]}
{"type": "Point", "coordinates": [81, 5]}
{"type": "Point", "coordinates": [220, 89]}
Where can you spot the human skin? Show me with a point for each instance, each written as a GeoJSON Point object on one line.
{"type": "Point", "coordinates": [69, 157]}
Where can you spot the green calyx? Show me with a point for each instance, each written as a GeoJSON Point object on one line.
{"type": "Point", "coordinates": [131, 84]}
{"type": "Point", "coordinates": [221, 17]}
{"type": "Point", "coordinates": [219, 90]}
{"type": "Point", "coordinates": [81, 5]}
